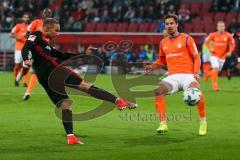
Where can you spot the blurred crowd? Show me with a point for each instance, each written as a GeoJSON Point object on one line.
{"type": "Point", "coordinates": [225, 5]}
{"type": "Point", "coordinates": [73, 14]}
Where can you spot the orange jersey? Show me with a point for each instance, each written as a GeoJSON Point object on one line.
{"type": "Point", "coordinates": [178, 53]}
{"type": "Point", "coordinates": [20, 30]}
{"type": "Point", "coordinates": [222, 44]}
{"type": "Point", "coordinates": [35, 25]}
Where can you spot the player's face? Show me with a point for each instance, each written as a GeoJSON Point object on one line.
{"type": "Point", "coordinates": [221, 27]}
{"type": "Point", "coordinates": [52, 31]}
{"type": "Point", "coordinates": [25, 18]}
{"type": "Point", "coordinates": [171, 26]}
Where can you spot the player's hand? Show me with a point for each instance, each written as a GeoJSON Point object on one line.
{"type": "Point", "coordinates": [19, 38]}
{"type": "Point", "coordinates": [228, 54]}
{"type": "Point", "coordinates": [211, 50]}
{"type": "Point", "coordinates": [148, 68]}
{"type": "Point", "coordinates": [28, 62]}
{"type": "Point", "coordinates": [197, 77]}
{"type": "Point", "coordinates": [90, 50]}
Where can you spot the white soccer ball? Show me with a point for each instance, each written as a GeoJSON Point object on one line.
{"type": "Point", "coordinates": [192, 96]}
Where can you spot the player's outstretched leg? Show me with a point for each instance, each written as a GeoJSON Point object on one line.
{"type": "Point", "coordinates": [160, 92]}
{"type": "Point", "coordinates": [202, 115]}
{"type": "Point", "coordinates": [32, 83]}
{"type": "Point", "coordinates": [215, 79]}
{"type": "Point", "coordinates": [161, 113]}
{"type": "Point", "coordinates": [25, 79]}
{"type": "Point", "coordinates": [68, 122]}
{"type": "Point", "coordinates": [202, 112]}
{"type": "Point", "coordinates": [104, 95]}
{"type": "Point", "coordinates": [16, 70]}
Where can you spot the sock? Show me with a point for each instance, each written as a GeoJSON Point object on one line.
{"type": "Point", "coordinates": [161, 109]}
{"type": "Point", "coordinates": [214, 77]}
{"type": "Point", "coordinates": [32, 83]}
{"type": "Point", "coordinates": [67, 121]}
{"type": "Point", "coordinates": [26, 77]}
{"type": "Point", "coordinates": [101, 94]}
{"type": "Point", "coordinates": [202, 109]}
{"type": "Point", "coordinates": [16, 71]}
{"type": "Point", "coordinates": [206, 68]}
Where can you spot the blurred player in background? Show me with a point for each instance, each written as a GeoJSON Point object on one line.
{"type": "Point", "coordinates": [179, 52]}
{"type": "Point", "coordinates": [205, 57]}
{"type": "Point", "coordinates": [44, 63]}
{"type": "Point", "coordinates": [35, 25]}
{"type": "Point", "coordinates": [18, 32]}
{"type": "Point", "coordinates": [223, 46]}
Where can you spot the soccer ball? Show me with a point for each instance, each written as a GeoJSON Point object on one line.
{"type": "Point", "coordinates": [192, 96]}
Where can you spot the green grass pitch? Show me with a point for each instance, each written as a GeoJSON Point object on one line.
{"type": "Point", "coordinates": [30, 130]}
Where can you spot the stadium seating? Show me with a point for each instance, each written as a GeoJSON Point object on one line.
{"type": "Point", "coordinates": [133, 27]}
{"type": "Point", "coordinates": [122, 27]}
{"type": "Point", "coordinates": [144, 27]}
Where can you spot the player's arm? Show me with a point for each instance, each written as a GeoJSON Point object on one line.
{"type": "Point", "coordinates": [13, 33]}
{"type": "Point", "coordinates": [64, 56]}
{"type": "Point", "coordinates": [208, 40]}
{"type": "Point", "coordinates": [61, 55]}
{"type": "Point", "coordinates": [196, 57]}
{"type": "Point", "coordinates": [30, 44]}
{"type": "Point", "coordinates": [31, 28]}
{"type": "Point", "coordinates": [159, 63]}
{"type": "Point", "coordinates": [232, 45]}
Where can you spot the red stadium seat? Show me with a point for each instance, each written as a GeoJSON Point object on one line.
{"type": "Point", "coordinates": [195, 7]}
{"type": "Point", "coordinates": [220, 16]}
{"type": "Point", "coordinates": [133, 27]}
{"type": "Point", "coordinates": [101, 27]}
{"type": "Point", "coordinates": [144, 27]}
{"type": "Point", "coordinates": [153, 27]}
{"type": "Point", "coordinates": [188, 5]}
{"type": "Point", "coordinates": [197, 20]}
{"type": "Point", "coordinates": [210, 28]}
{"type": "Point", "coordinates": [231, 15]}
{"type": "Point", "coordinates": [198, 28]}
{"type": "Point", "coordinates": [122, 27]}
{"type": "Point", "coordinates": [90, 27]}
{"type": "Point", "coordinates": [111, 27]}
{"type": "Point", "coordinates": [207, 19]}
{"type": "Point", "coordinates": [188, 28]}
{"type": "Point", "coordinates": [206, 5]}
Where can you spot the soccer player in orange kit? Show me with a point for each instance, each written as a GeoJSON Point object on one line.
{"type": "Point", "coordinates": [179, 52]}
{"type": "Point", "coordinates": [18, 32]}
{"type": "Point", "coordinates": [223, 46]}
{"type": "Point", "coordinates": [35, 25]}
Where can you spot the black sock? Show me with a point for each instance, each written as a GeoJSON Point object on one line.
{"type": "Point", "coordinates": [67, 121]}
{"type": "Point", "coordinates": [101, 94]}
{"type": "Point", "coordinates": [24, 71]}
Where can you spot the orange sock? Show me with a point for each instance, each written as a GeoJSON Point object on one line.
{"type": "Point", "coordinates": [202, 108]}
{"type": "Point", "coordinates": [26, 77]}
{"type": "Point", "coordinates": [32, 83]}
{"type": "Point", "coordinates": [161, 108]}
{"type": "Point", "coordinates": [206, 68]}
{"type": "Point", "coordinates": [214, 78]}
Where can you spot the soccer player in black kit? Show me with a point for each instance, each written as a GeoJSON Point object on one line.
{"type": "Point", "coordinates": [44, 63]}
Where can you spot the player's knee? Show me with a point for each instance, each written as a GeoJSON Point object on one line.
{"type": "Point", "coordinates": [17, 65]}
{"type": "Point", "coordinates": [194, 85]}
{"type": "Point", "coordinates": [215, 69]}
{"type": "Point", "coordinates": [163, 89]}
{"type": "Point", "coordinates": [85, 85]}
{"type": "Point", "coordinates": [66, 104]}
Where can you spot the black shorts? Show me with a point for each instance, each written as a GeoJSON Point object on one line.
{"type": "Point", "coordinates": [54, 83]}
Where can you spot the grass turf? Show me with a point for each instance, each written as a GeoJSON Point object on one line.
{"type": "Point", "coordinates": [30, 130]}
